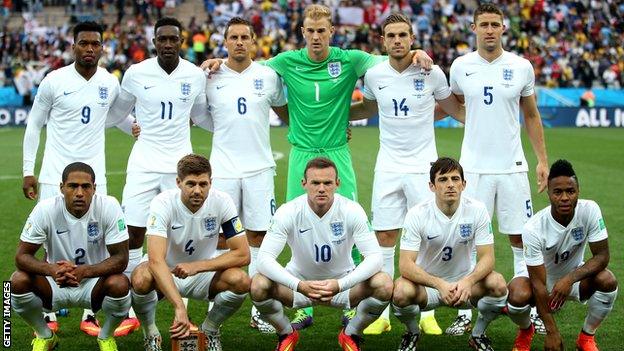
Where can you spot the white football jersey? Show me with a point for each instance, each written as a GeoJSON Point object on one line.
{"type": "Point", "coordinates": [406, 103]}
{"type": "Point", "coordinates": [492, 92]}
{"type": "Point", "coordinates": [163, 104]}
{"type": "Point", "coordinates": [192, 236]}
{"type": "Point", "coordinates": [239, 104]}
{"type": "Point", "coordinates": [321, 247]}
{"type": "Point", "coordinates": [560, 249]}
{"type": "Point", "coordinates": [445, 245]}
{"type": "Point", "coordinates": [78, 240]}
{"type": "Point", "coordinates": [76, 114]}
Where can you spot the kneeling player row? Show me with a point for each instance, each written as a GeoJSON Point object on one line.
{"type": "Point", "coordinates": [85, 238]}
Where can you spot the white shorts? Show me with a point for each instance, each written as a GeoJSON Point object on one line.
{"type": "Point", "coordinates": [79, 296]}
{"type": "Point", "coordinates": [575, 292]}
{"type": "Point", "coordinates": [253, 196]}
{"type": "Point", "coordinates": [340, 300]}
{"type": "Point", "coordinates": [394, 194]}
{"type": "Point", "coordinates": [47, 191]}
{"type": "Point", "coordinates": [196, 287]}
{"type": "Point", "coordinates": [509, 193]}
{"type": "Point", "coordinates": [434, 300]}
{"type": "Point", "coordinates": [139, 191]}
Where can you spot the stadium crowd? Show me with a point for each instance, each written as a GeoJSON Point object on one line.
{"type": "Point", "coordinates": [570, 43]}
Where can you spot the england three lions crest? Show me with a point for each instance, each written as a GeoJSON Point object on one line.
{"type": "Point", "coordinates": [507, 74]}
{"type": "Point", "coordinates": [465, 230]}
{"type": "Point", "coordinates": [334, 69]}
{"type": "Point", "coordinates": [92, 229]}
{"type": "Point", "coordinates": [577, 233]}
{"type": "Point", "coordinates": [419, 84]}
{"type": "Point", "coordinates": [103, 92]}
{"type": "Point", "coordinates": [185, 89]}
{"type": "Point", "coordinates": [210, 224]}
{"type": "Point", "coordinates": [337, 228]}
{"type": "Point", "coordinates": [258, 84]}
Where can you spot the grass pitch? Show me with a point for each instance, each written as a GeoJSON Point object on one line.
{"type": "Point", "coordinates": [595, 153]}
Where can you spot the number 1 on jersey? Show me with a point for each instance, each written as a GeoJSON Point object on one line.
{"type": "Point", "coordinates": [317, 90]}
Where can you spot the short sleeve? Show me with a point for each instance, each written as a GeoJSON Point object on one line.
{"type": "Point", "coordinates": [231, 223]}
{"type": "Point", "coordinates": [367, 91]}
{"type": "Point", "coordinates": [159, 218]}
{"type": "Point", "coordinates": [116, 230]}
{"type": "Point", "coordinates": [529, 87]}
{"type": "Point", "coordinates": [533, 255]}
{"type": "Point", "coordinates": [127, 84]}
{"type": "Point", "coordinates": [441, 90]}
{"type": "Point", "coordinates": [411, 238]}
{"type": "Point", "coordinates": [278, 98]}
{"type": "Point", "coordinates": [35, 230]}
{"type": "Point", "coordinates": [453, 79]}
{"type": "Point", "coordinates": [362, 61]}
{"type": "Point", "coordinates": [483, 228]}
{"type": "Point", "coordinates": [596, 228]}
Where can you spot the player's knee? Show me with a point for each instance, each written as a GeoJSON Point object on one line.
{"type": "Point", "coordinates": [496, 284]}
{"type": "Point", "coordinates": [520, 292]}
{"type": "Point", "coordinates": [605, 281]}
{"type": "Point", "coordinates": [401, 295]}
{"type": "Point", "coordinates": [387, 238]}
{"type": "Point", "coordinates": [142, 279]}
{"type": "Point", "coordinates": [237, 280]}
{"type": "Point", "coordinates": [382, 286]}
{"type": "Point", "coordinates": [116, 285]}
{"type": "Point", "coordinates": [21, 282]}
{"type": "Point", "coordinates": [260, 286]}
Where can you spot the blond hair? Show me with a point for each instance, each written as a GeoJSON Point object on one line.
{"type": "Point", "coordinates": [317, 12]}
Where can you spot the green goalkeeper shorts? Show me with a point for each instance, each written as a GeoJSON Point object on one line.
{"type": "Point", "coordinates": [298, 159]}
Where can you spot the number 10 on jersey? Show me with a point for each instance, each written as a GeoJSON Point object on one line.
{"type": "Point", "coordinates": [322, 253]}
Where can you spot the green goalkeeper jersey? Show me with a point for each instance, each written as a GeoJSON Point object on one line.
{"type": "Point", "coordinates": [319, 94]}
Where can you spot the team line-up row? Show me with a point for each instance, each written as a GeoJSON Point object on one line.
{"type": "Point", "coordinates": [487, 89]}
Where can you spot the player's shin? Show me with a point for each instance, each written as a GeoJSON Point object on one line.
{"type": "Point", "coordinates": [598, 307]}
{"type": "Point", "coordinates": [368, 310]}
{"type": "Point", "coordinates": [489, 308]}
{"type": "Point", "coordinates": [226, 303]}
{"type": "Point", "coordinates": [272, 311]}
{"type": "Point", "coordinates": [29, 307]}
{"type": "Point", "coordinates": [520, 315]}
{"type": "Point", "coordinates": [115, 309]}
{"type": "Point", "coordinates": [145, 309]}
{"type": "Point", "coordinates": [407, 315]}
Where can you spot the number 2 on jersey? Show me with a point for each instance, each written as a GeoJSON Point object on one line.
{"type": "Point", "coordinates": [80, 254]}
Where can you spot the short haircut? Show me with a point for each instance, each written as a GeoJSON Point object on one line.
{"type": "Point", "coordinates": [167, 21]}
{"type": "Point", "coordinates": [317, 12]}
{"type": "Point", "coordinates": [239, 20]}
{"type": "Point", "coordinates": [319, 163]}
{"type": "Point", "coordinates": [562, 168]}
{"type": "Point", "coordinates": [77, 167]}
{"type": "Point", "coordinates": [487, 8]}
{"type": "Point", "coordinates": [88, 26]}
{"type": "Point", "coordinates": [445, 165]}
{"type": "Point", "coordinates": [193, 164]}
{"type": "Point", "coordinates": [396, 18]}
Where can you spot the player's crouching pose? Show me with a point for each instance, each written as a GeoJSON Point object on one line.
{"type": "Point", "coordinates": [182, 235]}
{"type": "Point", "coordinates": [86, 241]}
{"type": "Point", "coordinates": [320, 227]}
{"type": "Point", "coordinates": [554, 243]}
{"type": "Point", "coordinates": [438, 240]}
